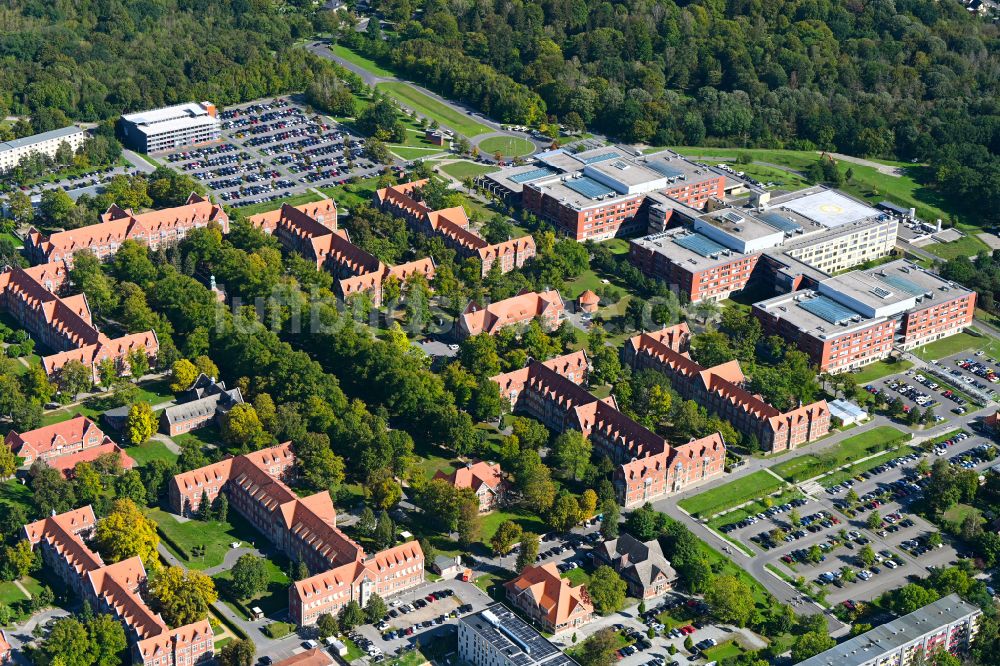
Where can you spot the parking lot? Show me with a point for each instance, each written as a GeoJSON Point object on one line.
{"type": "Point", "coordinates": [832, 529]}
{"type": "Point", "coordinates": [273, 149]}
{"type": "Point", "coordinates": [974, 373]}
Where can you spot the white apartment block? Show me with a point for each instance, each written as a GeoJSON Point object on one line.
{"type": "Point", "coordinates": [170, 127]}
{"type": "Point", "coordinates": [949, 624]}
{"type": "Point", "coordinates": [47, 143]}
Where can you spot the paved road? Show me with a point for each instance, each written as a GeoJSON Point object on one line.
{"type": "Point", "coordinates": [372, 79]}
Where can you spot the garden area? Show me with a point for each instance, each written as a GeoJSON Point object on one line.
{"type": "Point", "coordinates": [273, 600]}
{"type": "Point", "coordinates": [202, 544]}
{"type": "Point", "coordinates": [731, 494]}
{"type": "Point", "coordinates": [814, 464]}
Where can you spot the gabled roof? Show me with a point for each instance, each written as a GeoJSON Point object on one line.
{"type": "Point", "coordinates": [515, 310]}
{"type": "Point", "coordinates": [554, 596]}
{"type": "Point", "coordinates": [44, 439]}
{"type": "Point", "coordinates": [68, 463]}
{"type": "Point", "coordinates": [118, 224]}
{"type": "Point", "coordinates": [474, 476]}
{"type": "Point", "coordinates": [641, 561]}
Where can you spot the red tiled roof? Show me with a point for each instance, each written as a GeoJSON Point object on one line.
{"type": "Point", "coordinates": [554, 595]}
{"type": "Point", "coordinates": [44, 439]}
{"type": "Point", "coordinates": [118, 225]}
{"type": "Point", "coordinates": [68, 463]}
{"type": "Point", "coordinates": [515, 310]}
{"type": "Point", "coordinates": [474, 476]}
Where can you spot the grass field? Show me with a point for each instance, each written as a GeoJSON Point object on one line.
{"type": "Point", "coordinates": [731, 494]}
{"type": "Point", "coordinates": [880, 369]}
{"type": "Point", "coordinates": [509, 146]}
{"type": "Point", "coordinates": [867, 183]}
{"type": "Point", "coordinates": [296, 200]}
{"type": "Point", "coordinates": [13, 491]}
{"type": "Point", "coordinates": [727, 650]}
{"type": "Point", "coordinates": [956, 343]}
{"type": "Point", "coordinates": [577, 577]}
{"type": "Point", "coordinates": [527, 521]}
{"type": "Point", "coordinates": [150, 451]}
{"type": "Point", "coordinates": [209, 436]}
{"type": "Point", "coordinates": [752, 509]}
{"type": "Point", "coordinates": [854, 470]}
{"type": "Point", "coordinates": [275, 597]}
{"type": "Point", "coordinates": [813, 464]}
{"type": "Point", "coordinates": [433, 109]}
{"type": "Point", "coordinates": [350, 195]}
{"type": "Point", "coordinates": [361, 61]}
{"type": "Point", "coordinates": [460, 170]}
{"type": "Point", "coordinates": [415, 153]}
{"type": "Point", "coordinates": [215, 536]}
{"type": "Point", "coordinates": [967, 246]}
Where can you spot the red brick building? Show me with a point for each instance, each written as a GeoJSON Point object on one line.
{"type": "Point", "coordinates": [601, 193]}
{"type": "Point", "coordinates": [154, 228]}
{"type": "Point", "coordinates": [854, 319]}
{"type": "Point", "coordinates": [65, 445]}
{"type": "Point", "coordinates": [648, 466]}
{"type": "Point", "coordinates": [720, 391]}
{"type": "Point", "coordinates": [65, 324]}
{"type": "Point", "coordinates": [518, 310]}
{"type": "Point", "coordinates": [305, 529]}
{"type": "Point", "coordinates": [452, 225]}
{"type": "Point", "coordinates": [116, 589]}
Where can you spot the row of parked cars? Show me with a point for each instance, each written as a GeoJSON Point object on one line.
{"type": "Point", "coordinates": [764, 515]}
{"type": "Point", "coordinates": [888, 465]}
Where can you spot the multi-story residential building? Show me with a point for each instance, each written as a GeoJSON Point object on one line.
{"type": "Point", "coordinates": [496, 636]}
{"type": "Point", "coordinates": [642, 565]}
{"type": "Point", "coordinates": [65, 324]}
{"type": "Point", "coordinates": [154, 228]}
{"type": "Point", "coordinates": [482, 478]}
{"type": "Point", "coordinates": [518, 310]}
{"type": "Point", "coordinates": [305, 529]}
{"type": "Point", "coordinates": [46, 143]}
{"type": "Point", "coordinates": [452, 225]}
{"type": "Point", "coordinates": [549, 599]}
{"type": "Point", "coordinates": [721, 390]}
{"type": "Point", "coordinates": [857, 318]}
{"type": "Point", "coordinates": [170, 127]}
{"type": "Point", "coordinates": [311, 230]}
{"type": "Point", "coordinates": [64, 445]}
{"type": "Point", "coordinates": [600, 193]}
{"type": "Point", "coordinates": [116, 589]}
{"type": "Point", "coordinates": [946, 625]}
{"type": "Point", "coordinates": [648, 467]}
{"type": "Point", "coordinates": [806, 235]}
{"type": "Point", "coordinates": [207, 401]}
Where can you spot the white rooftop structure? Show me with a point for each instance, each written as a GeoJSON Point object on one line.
{"type": "Point", "coordinates": [830, 208]}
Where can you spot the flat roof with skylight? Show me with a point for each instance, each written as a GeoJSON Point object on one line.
{"type": "Point", "coordinates": [826, 207]}
{"type": "Point", "coordinates": [816, 314]}
{"type": "Point", "coordinates": [688, 249]}
{"type": "Point", "coordinates": [513, 638]}
{"type": "Point", "coordinates": [739, 230]}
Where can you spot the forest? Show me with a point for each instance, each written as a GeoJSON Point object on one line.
{"type": "Point", "coordinates": [905, 79]}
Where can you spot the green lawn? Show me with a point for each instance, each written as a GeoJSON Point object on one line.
{"type": "Point", "coordinates": [577, 577]}
{"type": "Point", "coordinates": [731, 494]}
{"type": "Point", "coordinates": [273, 600]}
{"type": "Point", "coordinates": [509, 146]}
{"type": "Point", "coordinates": [967, 246]}
{"type": "Point", "coordinates": [433, 109]}
{"type": "Point", "coordinates": [150, 451]}
{"type": "Point", "coordinates": [350, 194]}
{"type": "Point", "coordinates": [880, 369]}
{"type": "Point", "coordinates": [361, 61]}
{"type": "Point", "coordinates": [587, 280]}
{"type": "Point", "coordinates": [528, 521]}
{"type": "Point", "coordinates": [956, 343]}
{"type": "Point", "coordinates": [153, 392]}
{"type": "Point", "coordinates": [752, 509]}
{"type": "Point", "coordinates": [215, 536]}
{"type": "Point", "coordinates": [727, 650]}
{"type": "Point", "coordinates": [810, 465]}
{"type": "Point", "coordinates": [461, 170]}
{"type": "Point", "coordinates": [296, 200]}
{"type": "Point", "coordinates": [958, 513]}
{"type": "Point", "coordinates": [9, 593]}
{"type": "Point", "coordinates": [13, 492]}
{"type": "Point", "coordinates": [209, 436]}
{"type": "Point", "coordinates": [617, 245]}
{"type": "Point", "coordinates": [414, 153]}
{"type": "Point", "coordinates": [854, 470]}
{"type": "Point", "coordinates": [867, 183]}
